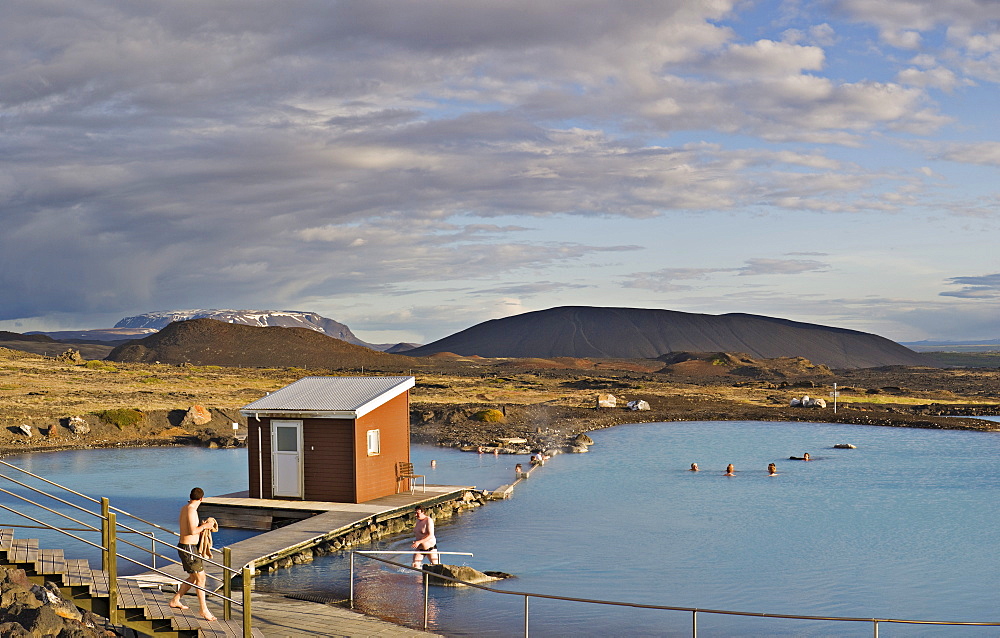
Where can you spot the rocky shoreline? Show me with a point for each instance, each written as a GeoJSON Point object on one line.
{"type": "Point", "coordinates": [541, 426]}
{"type": "Point", "coordinates": [556, 428]}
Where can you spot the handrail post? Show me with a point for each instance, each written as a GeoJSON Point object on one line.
{"type": "Point", "coordinates": [247, 586]}
{"type": "Point", "coordinates": [152, 546]}
{"type": "Point", "coordinates": [112, 553]}
{"type": "Point", "coordinates": [105, 510]}
{"type": "Point", "coordinates": [694, 623]}
{"type": "Point", "coordinates": [351, 596]}
{"type": "Point", "coordinates": [427, 581]}
{"type": "Point", "coordinates": [525, 616]}
{"type": "Point", "coordinates": [227, 583]}
{"type": "Point", "coordinates": [875, 625]}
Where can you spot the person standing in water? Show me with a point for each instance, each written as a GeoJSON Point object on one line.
{"type": "Point", "coordinates": [187, 549]}
{"type": "Point", "coordinates": [772, 469]}
{"type": "Point", "coordinates": [730, 470]}
{"type": "Point", "coordinates": [423, 530]}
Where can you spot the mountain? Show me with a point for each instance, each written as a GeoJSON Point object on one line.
{"type": "Point", "coordinates": [634, 333]}
{"type": "Point", "coordinates": [212, 342]}
{"type": "Point", "coordinates": [260, 318]}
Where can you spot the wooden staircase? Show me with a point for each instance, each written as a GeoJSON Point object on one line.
{"type": "Point", "coordinates": [145, 610]}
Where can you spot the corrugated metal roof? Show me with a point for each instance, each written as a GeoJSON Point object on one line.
{"type": "Point", "coordinates": [332, 394]}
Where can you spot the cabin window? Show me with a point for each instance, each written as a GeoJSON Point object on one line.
{"type": "Point", "coordinates": [374, 443]}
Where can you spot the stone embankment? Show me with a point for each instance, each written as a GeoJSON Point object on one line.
{"type": "Point", "coordinates": [28, 610]}
{"type": "Point", "coordinates": [375, 530]}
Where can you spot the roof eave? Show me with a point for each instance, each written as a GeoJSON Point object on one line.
{"type": "Point", "coordinates": [301, 414]}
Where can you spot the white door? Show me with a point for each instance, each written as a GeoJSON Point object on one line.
{"type": "Point", "coordinates": [286, 458]}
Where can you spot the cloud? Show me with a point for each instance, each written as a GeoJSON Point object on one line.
{"type": "Point", "coordinates": [663, 280]}
{"type": "Point", "coordinates": [760, 266]}
{"type": "Point", "coordinates": [975, 287]}
{"type": "Point", "coordinates": [197, 154]}
{"type": "Point", "coordinates": [985, 153]}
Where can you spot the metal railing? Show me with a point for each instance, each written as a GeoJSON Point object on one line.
{"type": "Point", "coordinates": [694, 611]}
{"type": "Point", "coordinates": [110, 529]}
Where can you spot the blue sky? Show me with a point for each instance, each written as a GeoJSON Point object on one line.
{"type": "Point", "coordinates": [412, 169]}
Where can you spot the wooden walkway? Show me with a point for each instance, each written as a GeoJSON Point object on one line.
{"type": "Point", "coordinates": [334, 519]}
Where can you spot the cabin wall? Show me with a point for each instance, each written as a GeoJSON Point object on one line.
{"type": "Point", "coordinates": [328, 468]}
{"type": "Point", "coordinates": [377, 474]}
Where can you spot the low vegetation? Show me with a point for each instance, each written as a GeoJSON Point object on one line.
{"type": "Point", "coordinates": [121, 418]}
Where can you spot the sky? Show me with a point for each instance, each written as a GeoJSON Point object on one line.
{"type": "Point", "coordinates": [414, 168]}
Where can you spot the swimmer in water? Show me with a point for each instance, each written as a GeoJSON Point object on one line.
{"type": "Point", "coordinates": [729, 470]}
{"type": "Point", "coordinates": [694, 467]}
{"type": "Point", "coordinates": [772, 469]}
{"type": "Point", "coordinates": [804, 457]}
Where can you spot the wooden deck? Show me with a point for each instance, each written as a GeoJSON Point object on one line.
{"type": "Point", "coordinates": [325, 521]}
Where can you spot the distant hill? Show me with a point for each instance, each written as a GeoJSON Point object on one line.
{"type": "Point", "coordinates": [211, 342]}
{"type": "Point", "coordinates": [139, 326]}
{"type": "Point", "coordinates": [980, 345]}
{"type": "Point", "coordinates": [584, 331]}
{"type": "Point", "coordinates": [47, 346]}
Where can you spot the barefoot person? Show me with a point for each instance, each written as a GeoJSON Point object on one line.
{"type": "Point", "coordinates": [423, 530]}
{"type": "Point", "coordinates": [188, 551]}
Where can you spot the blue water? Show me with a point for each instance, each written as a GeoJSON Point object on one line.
{"type": "Point", "coordinates": [151, 483]}
{"type": "Point", "coordinates": [904, 526]}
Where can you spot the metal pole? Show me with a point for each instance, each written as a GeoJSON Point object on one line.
{"type": "Point", "coordinates": [526, 617]}
{"type": "Point", "coordinates": [351, 599]}
{"type": "Point", "coordinates": [875, 624]}
{"type": "Point", "coordinates": [427, 581]}
{"type": "Point", "coordinates": [694, 624]}
{"type": "Point", "coordinates": [152, 546]}
{"type": "Point", "coordinates": [112, 552]}
{"type": "Point", "coordinates": [105, 510]}
{"type": "Point", "coordinates": [247, 585]}
{"type": "Point", "coordinates": [227, 583]}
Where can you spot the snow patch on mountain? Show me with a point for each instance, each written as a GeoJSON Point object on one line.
{"type": "Point", "coordinates": [260, 318]}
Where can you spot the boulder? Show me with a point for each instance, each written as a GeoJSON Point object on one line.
{"type": "Point", "coordinates": [607, 401]}
{"type": "Point", "coordinates": [845, 446]}
{"type": "Point", "coordinates": [71, 356]}
{"type": "Point", "coordinates": [77, 425]}
{"type": "Point", "coordinates": [196, 415]}
{"type": "Point", "coordinates": [25, 429]}
{"type": "Point", "coordinates": [638, 405]}
{"type": "Point", "coordinates": [460, 572]}
{"type": "Point", "coordinates": [27, 609]}
{"type": "Point", "coordinates": [583, 439]}
{"type": "Point", "coordinates": [578, 449]}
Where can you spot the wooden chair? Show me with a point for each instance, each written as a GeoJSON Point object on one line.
{"type": "Point", "coordinates": [405, 472]}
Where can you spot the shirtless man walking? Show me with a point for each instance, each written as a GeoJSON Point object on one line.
{"type": "Point", "coordinates": [423, 530]}
{"type": "Point", "coordinates": [188, 551]}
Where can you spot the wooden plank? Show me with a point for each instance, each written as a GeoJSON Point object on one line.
{"type": "Point", "coordinates": [6, 537]}
{"type": "Point", "coordinates": [24, 550]}
{"type": "Point", "coordinates": [130, 595]}
{"type": "Point", "coordinates": [99, 583]}
{"type": "Point", "coordinates": [77, 572]}
{"type": "Point", "coordinates": [51, 562]}
{"type": "Point", "coordinates": [157, 604]}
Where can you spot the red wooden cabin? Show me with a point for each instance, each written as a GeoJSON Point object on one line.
{"type": "Point", "coordinates": [336, 439]}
